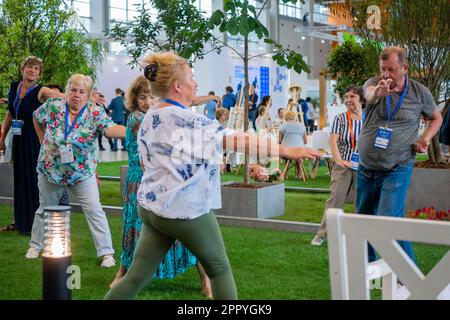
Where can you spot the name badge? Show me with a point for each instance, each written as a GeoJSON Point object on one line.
{"type": "Point", "coordinates": [354, 160]}
{"type": "Point", "coordinates": [383, 138]}
{"type": "Point", "coordinates": [17, 127]}
{"type": "Point", "coordinates": [66, 154]}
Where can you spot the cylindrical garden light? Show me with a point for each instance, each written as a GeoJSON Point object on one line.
{"type": "Point", "coordinates": [57, 256]}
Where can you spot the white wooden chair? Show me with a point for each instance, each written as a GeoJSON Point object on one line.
{"type": "Point", "coordinates": [350, 272]}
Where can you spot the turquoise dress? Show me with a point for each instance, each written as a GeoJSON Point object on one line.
{"type": "Point", "coordinates": [178, 259]}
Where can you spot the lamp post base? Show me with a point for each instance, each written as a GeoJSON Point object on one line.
{"type": "Point", "coordinates": [54, 278]}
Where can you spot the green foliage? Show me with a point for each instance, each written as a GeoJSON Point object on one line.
{"type": "Point", "coordinates": [353, 63]}
{"type": "Point", "coordinates": [40, 28]}
{"type": "Point", "coordinates": [179, 27]}
{"type": "Point", "coordinates": [240, 18]}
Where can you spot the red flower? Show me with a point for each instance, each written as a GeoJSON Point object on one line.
{"type": "Point", "coordinates": [81, 166]}
{"type": "Point", "coordinates": [95, 113]}
{"type": "Point", "coordinates": [52, 115]}
{"type": "Point", "coordinates": [81, 140]}
{"type": "Point", "coordinates": [76, 125]}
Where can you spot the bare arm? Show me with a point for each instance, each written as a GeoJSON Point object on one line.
{"type": "Point", "coordinates": [254, 145]}
{"type": "Point", "coordinates": [46, 93]}
{"type": "Point", "coordinates": [39, 130]}
{"type": "Point", "coordinates": [117, 131]}
{"type": "Point", "coordinates": [5, 130]}
{"type": "Point", "coordinates": [433, 126]}
{"type": "Point", "coordinates": [204, 99]}
{"type": "Point", "coordinates": [381, 90]}
{"type": "Point", "coordinates": [335, 151]}
{"type": "Point", "coordinates": [305, 138]}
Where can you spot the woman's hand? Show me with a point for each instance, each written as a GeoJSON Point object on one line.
{"type": "Point", "coordinates": [3, 101]}
{"type": "Point", "coordinates": [343, 163]}
{"type": "Point", "coordinates": [97, 99]}
{"type": "Point", "coordinates": [298, 153]}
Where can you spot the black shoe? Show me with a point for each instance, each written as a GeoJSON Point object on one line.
{"type": "Point", "coordinates": [102, 149]}
{"type": "Point", "coordinates": [124, 149]}
{"type": "Point", "coordinates": [113, 149]}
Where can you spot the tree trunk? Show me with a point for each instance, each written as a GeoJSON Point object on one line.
{"type": "Point", "coordinates": [246, 88]}
{"type": "Point", "coordinates": [434, 150]}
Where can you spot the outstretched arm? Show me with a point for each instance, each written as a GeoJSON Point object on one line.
{"type": "Point", "coordinates": [255, 145]}
{"type": "Point", "coordinates": [116, 131]}
{"type": "Point", "coordinates": [204, 99]}
{"type": "Point", "coordinates": [47, 93]}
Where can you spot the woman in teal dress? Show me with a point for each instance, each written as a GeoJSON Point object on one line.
{"type": "Point", "coordinates": [178, 259]}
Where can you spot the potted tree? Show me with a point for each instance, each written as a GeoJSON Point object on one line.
{"type": "Point", "coordinates": [264, 198]}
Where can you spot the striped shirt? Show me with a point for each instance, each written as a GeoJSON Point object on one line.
{"type": "Point", "coordinates": [342, 128]}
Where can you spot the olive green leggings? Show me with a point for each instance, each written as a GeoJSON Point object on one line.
{"type": "Point", "coordinates": [201, 236]}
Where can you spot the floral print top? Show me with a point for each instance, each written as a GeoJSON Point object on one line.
{"type": "Point", "coordinates": [83, 138]}
{"type": "Point", "coordinates": [181, 151]}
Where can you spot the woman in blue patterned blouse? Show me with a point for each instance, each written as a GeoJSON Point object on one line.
{"type": "Point", "coordinates": [181, 151]}
{"type": "Point", "coordinates": [178, 259]}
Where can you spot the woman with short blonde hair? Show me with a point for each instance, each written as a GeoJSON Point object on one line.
{"type": "Point", "coordinates": [179, 190]}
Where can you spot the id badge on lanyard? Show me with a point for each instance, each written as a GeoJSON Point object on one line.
{"type": "Point", "coordinates": [354, 160]}
{"type": "Point", "coordinates": [383, 138]}
{"type": "Point", "coordinates": [17, 127]}
{"type": "Point", "coordinates": [66, 152]}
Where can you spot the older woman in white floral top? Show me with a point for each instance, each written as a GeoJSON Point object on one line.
{"type": "Point", "coordinates": [68, 129]}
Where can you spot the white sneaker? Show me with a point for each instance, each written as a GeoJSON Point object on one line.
{"type": "Point", "coordinates": [108, 261]}
{"type": "Point", "coordinates": [317, 240]}
{"type": "Point", "coordinates": [32, 253]}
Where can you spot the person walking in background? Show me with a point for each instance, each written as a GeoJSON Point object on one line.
{"type": "Point", "coordinates": [310, 115]}
{"type": "Point", "coordinates": [389, 140]}
{"type": "Point", "coordinates": [117, 108]}
{"type": "Point", "coordinates": [303, 107]}
{"type": "Point", "coordinates": [343, 144]}
{"type": "Point", "coordinates": [178, 259]}
{"type": "Point", "coordinates": [67, 129]}
{"type": "Point", "coordinates": [229, 99]}
{"type": "Point", "coordinates": [179, 189]}
{"type": "Point", "coordinates": [100, 135]}
{"type": "Point", "coordinates": [210, 107]}
{"type": "Point", "coordinates": [252, 106]}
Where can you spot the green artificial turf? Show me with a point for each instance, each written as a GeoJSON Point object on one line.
{"type": "Point", "coordinates": [266, 265]}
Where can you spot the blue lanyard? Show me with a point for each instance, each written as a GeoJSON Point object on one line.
{"type": "Point", "coordinates": [399, 103]}
{"type": "Point", "coordinates": [175, 103]}
{"type": "Point", "coordinates": [363, 117]}
{"type": "Point", "coordinates": [67, 132]}
{"type": "Point", "coordinates": [17, 101]}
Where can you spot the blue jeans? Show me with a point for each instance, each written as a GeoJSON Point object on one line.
{"type": "Point", "coordinates": [384, 193]}
{"type": "Point", "coordinates": [252, 118]}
